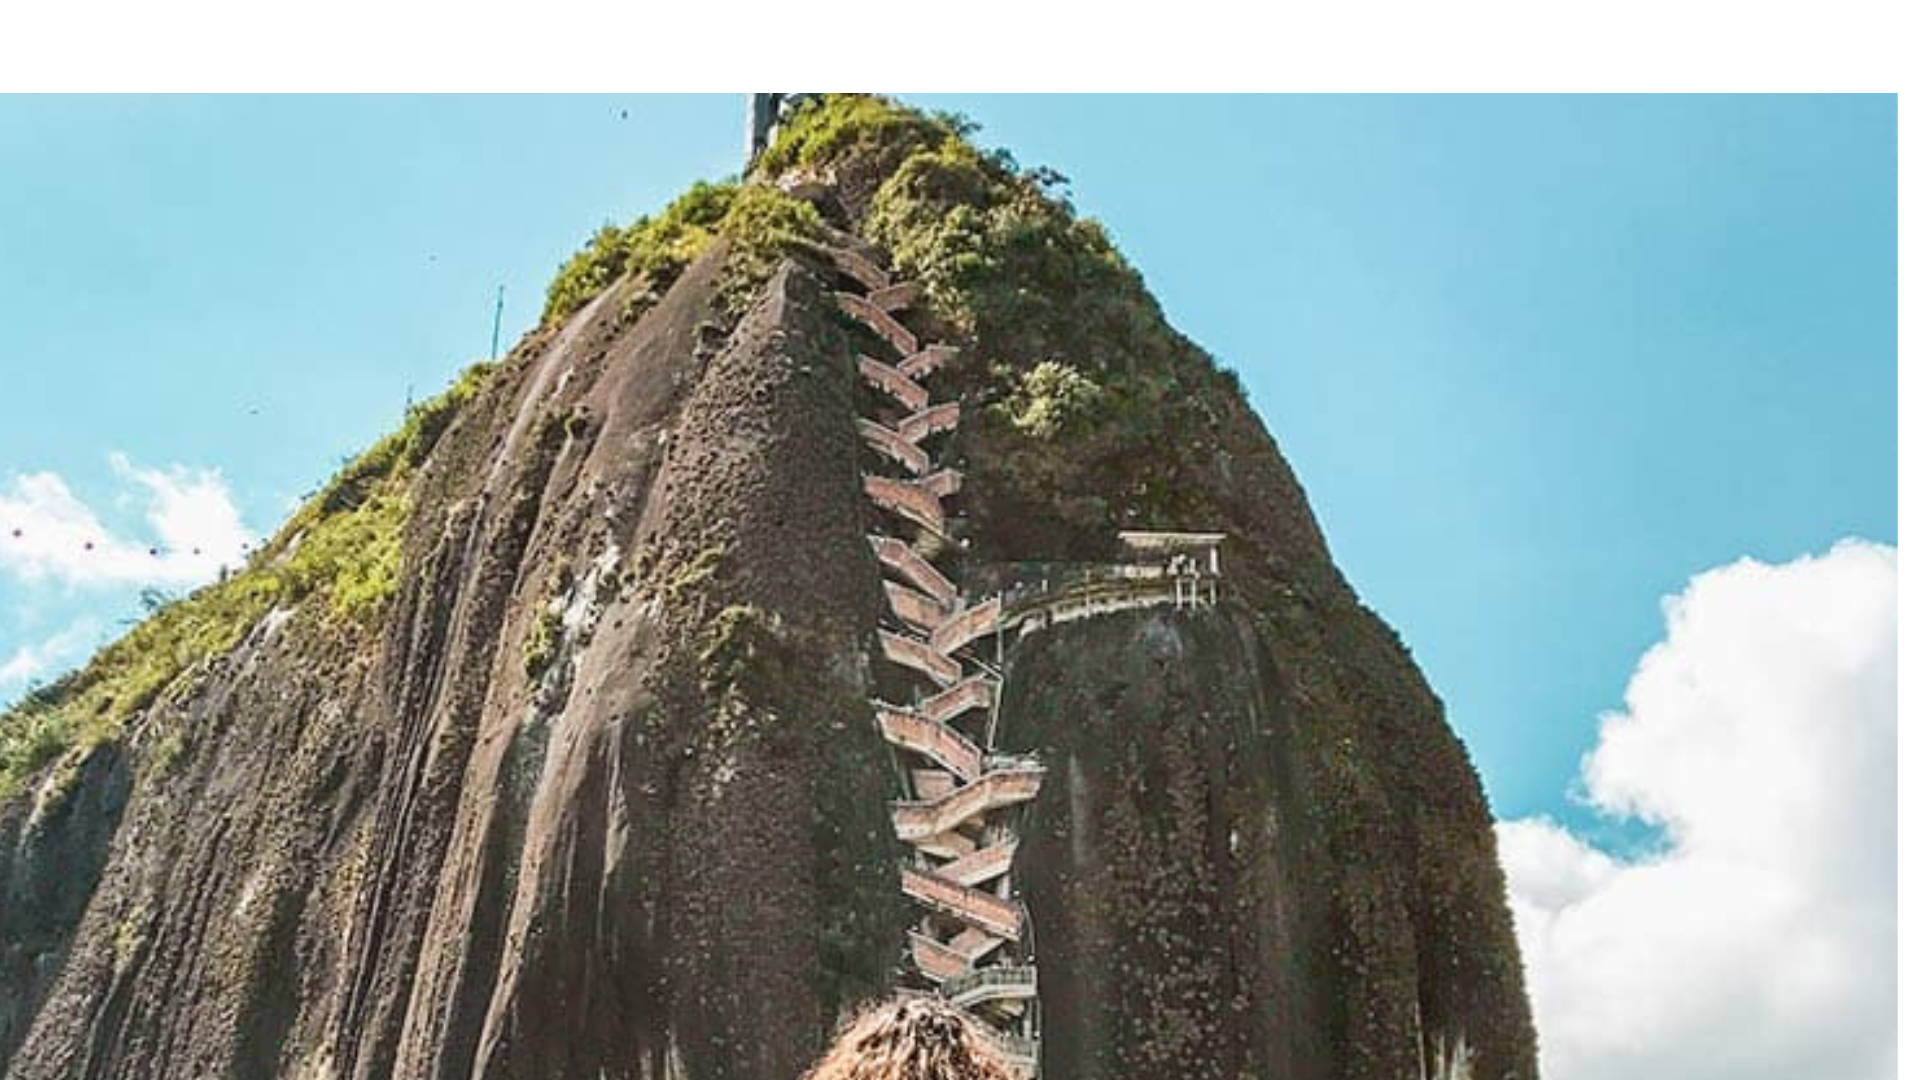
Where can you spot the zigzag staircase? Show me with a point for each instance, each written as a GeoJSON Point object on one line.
{"type": "Point", "coordinates": [962, 802]}
{"type": "Point", "coordinates": [962, 799]}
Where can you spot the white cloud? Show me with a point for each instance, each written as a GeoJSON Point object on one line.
{"type": "Point", "coordinates": [35, 659]}
{"type": "Point", "coordinates": [1759, 737]}
{"type": "Point", "coordinates": [49, 533]}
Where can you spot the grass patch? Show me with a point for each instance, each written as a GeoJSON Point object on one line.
{"type": "Point", "coordinates": [762, 225]}
{"type": "Point", "coordinates": [130, 934]}
{"type": "Point", "coordinates": [759, 221]}
{"type": "Point", "coordinates": [543, 641]}
{"type": "Point", "coordinates": [653, 249]}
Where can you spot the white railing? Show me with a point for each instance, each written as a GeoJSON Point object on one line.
{"type": "Point", "coordinates": [1021, 1052]}
{"type": "Point", "coordinates": [983, 984]}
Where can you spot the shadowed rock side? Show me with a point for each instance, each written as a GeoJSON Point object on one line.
{"type": "Point", "coordinates": [50, 862]}
{"type": "Point", "coordinates": [652, 851]}
{"type": "Point", "coordinates": [1228, 890]}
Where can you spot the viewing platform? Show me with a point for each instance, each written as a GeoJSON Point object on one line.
{"type": "Point", "coordinates": [999, 983]}
{"type": "Point", "coordinates": [1086, 600]}
{"type": "Point", "coordinates": [1179, 570]}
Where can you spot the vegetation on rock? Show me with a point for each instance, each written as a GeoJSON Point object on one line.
{"type": "Point", "coordinates": [543, 641]}
{"type": "Point", "coordinates": [1064, 338]}
{"type": "Point", "coordinates": [343, 545]}
{"type": "Point", "coordinates": [1094, 403]}
{"type": "Point", "coordinates": [829, 133]}
{"type": "Point", "coordinates": [759, 222]}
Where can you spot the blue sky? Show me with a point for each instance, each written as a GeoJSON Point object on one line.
{"type": "Point", "coordinates": [1538, 361]}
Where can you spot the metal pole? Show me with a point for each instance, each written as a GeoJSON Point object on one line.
{"type": "Point", "coordinates": [499, 302]}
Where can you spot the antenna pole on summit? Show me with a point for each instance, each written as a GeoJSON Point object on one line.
{"type": "Point", "coordinates": [763, 115]}
{"type": "Point", "coordinates": [499, 301]}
